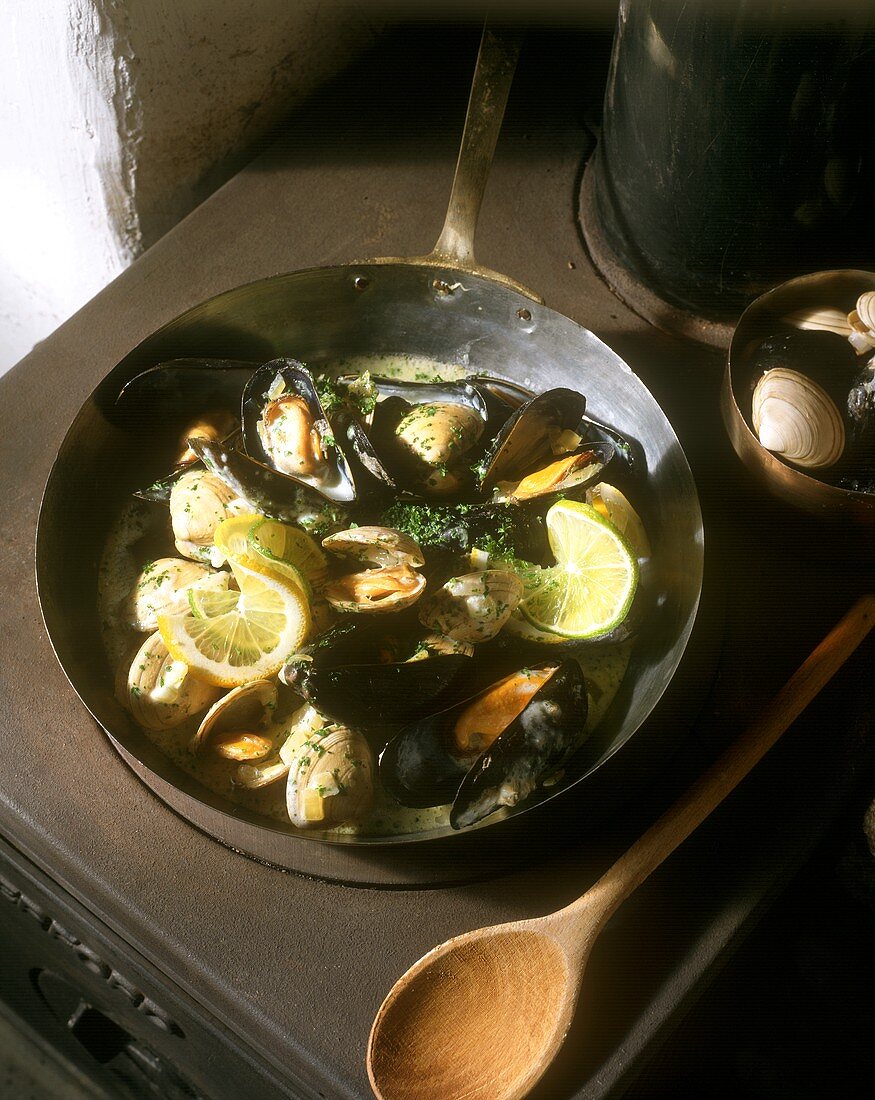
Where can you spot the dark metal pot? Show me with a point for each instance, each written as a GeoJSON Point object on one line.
{"type": "Point", "coordinates": [445, 307]}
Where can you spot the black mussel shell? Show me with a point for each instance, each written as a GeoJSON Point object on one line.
{"type": "Point", "coordinates": [160, 490]}
{"type": "Point", "coordinates": [532, 748]}
{"type": "Point", "coordinates": [371, 476]}
{"type": "Point", "coordinates": [166, 400]}
{"type": "Point", "coordinates": [359, 674]}
{"type": "Point", "coordinates": [418, 768]}
{"type": "Point", "coordinates": [268, 492]}
{"type": "Point", "coordinates": [524, 441]}
{"type": "Point", "coordinates": [334, 479]}
{"type": "Point", "coordinates": [415, 767]}
{"type": "Point", "coordinates": [628, 451]}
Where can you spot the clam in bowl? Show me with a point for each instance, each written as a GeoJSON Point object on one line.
{"type": "Point", "coordinates": [798, 396]}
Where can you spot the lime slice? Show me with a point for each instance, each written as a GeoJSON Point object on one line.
{"type": "Point", "coordinates": [281, 545]}
{"type": "Point", "coordinates": [229, 638]}
{"type": "Point", "coordinates": [590, 589]}
{"type": "Point", "coordinates": [614, 506]}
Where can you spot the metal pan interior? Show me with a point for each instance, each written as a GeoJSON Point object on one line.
{"type": "Point", "coordinates": [318, 316]}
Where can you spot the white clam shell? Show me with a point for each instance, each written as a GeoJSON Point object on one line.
{"type": "Point", "coordinates": [862, 338]}
{"type": "Point", "coordinates": [823, 320]}
{"type": "Point", "coordinates": [381, 546]}
{"type": "Point", "coordinates": [161, 691]}
{"type": "Point", "coordinates": [162, 589]}
{"type": "Point", "coordinates": [472, 608]}
{"type": "Point", "coordinates": [795, 418]}
{"type": "Point", "coordinates": [331, 776]}
{"type": "Point", "coordinates": [199, 502]}
{"type": "Point", "coordinates": [866, 310]}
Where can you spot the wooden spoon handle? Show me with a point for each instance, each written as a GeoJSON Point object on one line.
{"type": "Point", "coordinates": [676, 824]}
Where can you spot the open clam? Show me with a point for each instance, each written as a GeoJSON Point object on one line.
{"type": "Point", "coordinates": [234, 726]}
{"type": "Point", "coordinates": [392, 582]}
{"type": "Point", "coordinates": [493, 750]}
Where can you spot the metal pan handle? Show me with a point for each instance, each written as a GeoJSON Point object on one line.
{"type": "Point", "coordinates": [493, 76]}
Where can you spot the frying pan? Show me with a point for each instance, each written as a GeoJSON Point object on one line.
{"type": "Point", "coordinates": [444, 307]}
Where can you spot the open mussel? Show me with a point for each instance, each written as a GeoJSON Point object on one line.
{"type": "Point", "coordinates": [285, 429]}
{"type": "Point", "coordinates": [541, 451]}
{"type": "Point", "coordinates": [492, 750]}
{"type": "Point", "coordinates": [367, 675]}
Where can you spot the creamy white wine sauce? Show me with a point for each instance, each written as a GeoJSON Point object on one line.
{"type": "Point", "coordinates": [142, 532]}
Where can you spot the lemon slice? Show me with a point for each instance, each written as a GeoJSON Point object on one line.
{"type": "Point", "coordinates": [229, 638]}
{"type": "Point", "coordinates": [590, 589]}
{"type": "Point", "coordinates": [281, 545]}
{"type": "Point", "coordinates": [615, 507]}
{"type": "Point", "coordinates": [232, 540]}
{"type": "Point", "coordinates": [230, 537]}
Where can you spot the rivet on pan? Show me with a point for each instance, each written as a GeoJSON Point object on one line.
{"type": "Point", "coordinates": [360, 282]}
{"type": "Point", "coordinates": [524, 314]}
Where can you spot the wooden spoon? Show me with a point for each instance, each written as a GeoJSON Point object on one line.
{"type": "Point", "coordinates": [482, 1016]}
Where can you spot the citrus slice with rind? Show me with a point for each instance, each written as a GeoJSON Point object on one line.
{"type": "Point", "coordinates": [281, 545]}
{"type": "Point", "coordinates": [590, 589]}
{"type": "Point", "coordinates": [229, 638]}
{"type": "Point", "coordinates": [230, 537]}
{"type": "Point", "coordinates": [232, 540]}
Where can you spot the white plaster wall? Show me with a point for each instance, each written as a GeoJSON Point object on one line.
{"type": "Point", "coordinates": [118, 116]}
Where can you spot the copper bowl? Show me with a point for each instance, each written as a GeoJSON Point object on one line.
{"type": "Point", "coordinates": [762, 317]}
